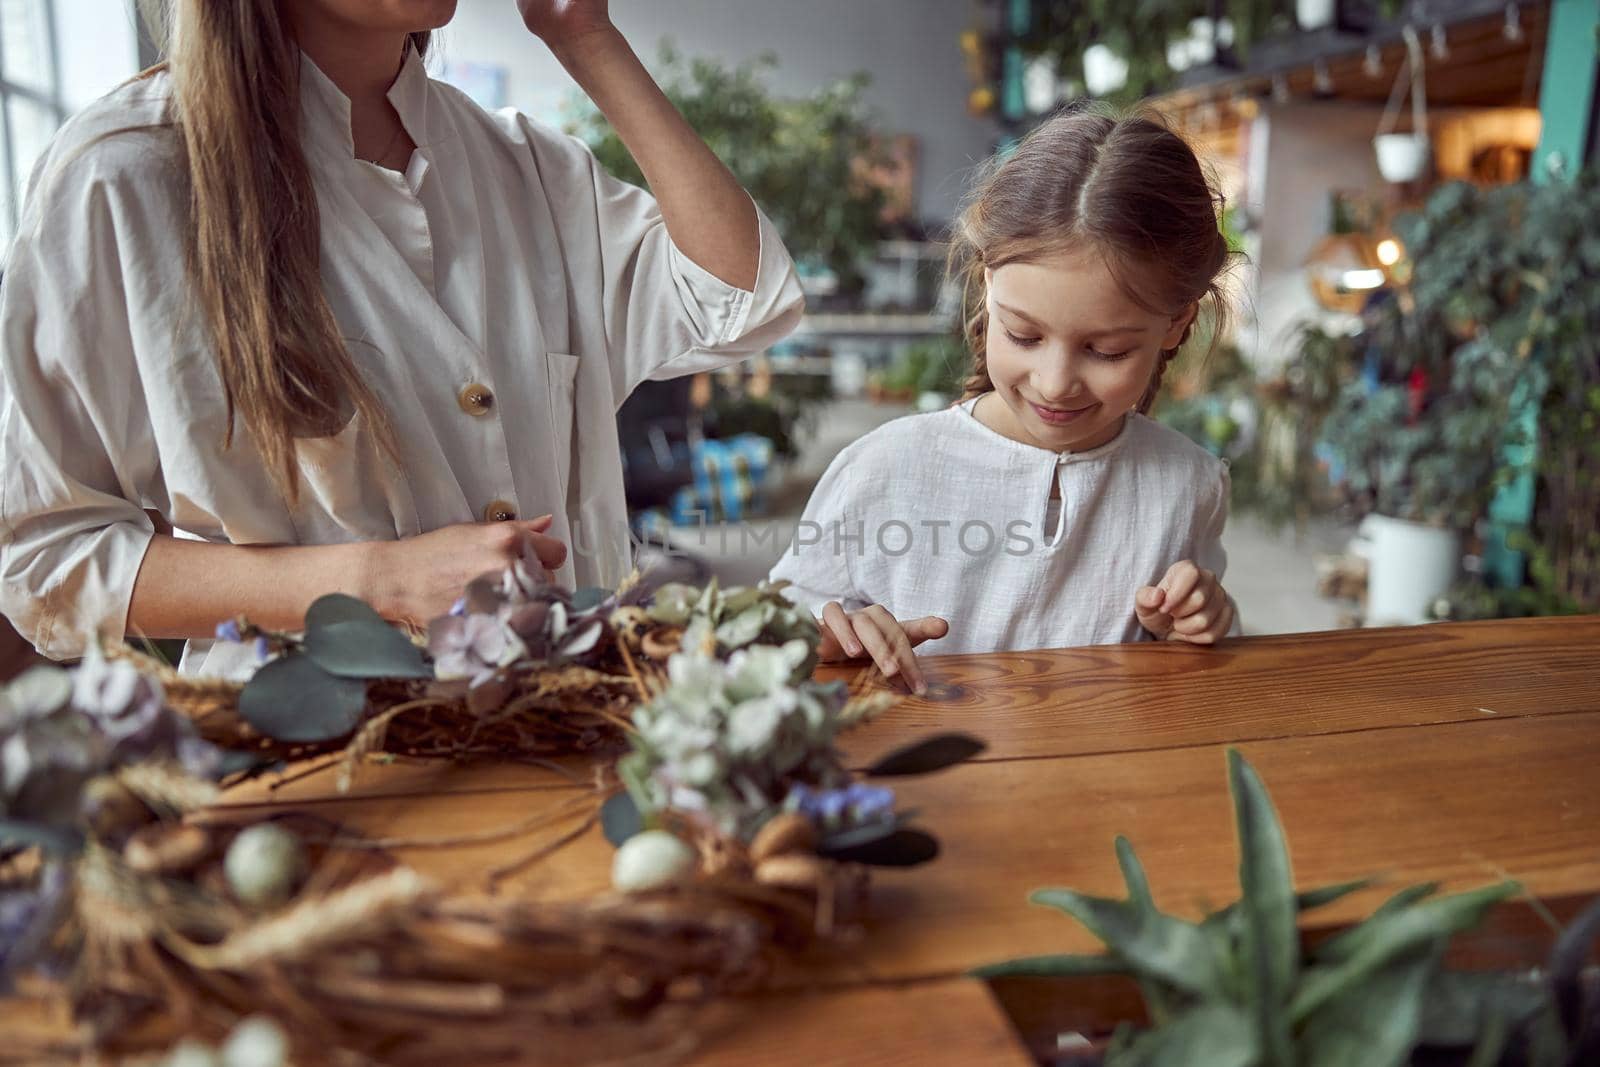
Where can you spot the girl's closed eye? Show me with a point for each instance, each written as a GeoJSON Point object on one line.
{"type": "Point", "coordinates": [1021, 341]}
{"type": "Point", "coordinates": [1109, 357]}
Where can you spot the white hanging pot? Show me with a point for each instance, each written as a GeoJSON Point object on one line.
{"type": "Point", "coordinates": [1315, 14]}
{"type": "Point", "coordinates": [1402, 157]}
{"type": "Point", "coordinates": [1410, 565]}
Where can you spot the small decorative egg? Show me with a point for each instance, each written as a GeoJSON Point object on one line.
{"type": "Point", "coordinates": [256, 1042]}
{"type": "Point", "coordinates": [263, 865]}
{"type": "Point", "coordinates": [651, 859]}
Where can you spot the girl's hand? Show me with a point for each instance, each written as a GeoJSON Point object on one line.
{"type": "Point", "coordinates": [419, 578]}
{"type": "Point", "coordinates": [558, 21]}
{"type": "Point", "coordinates": [873, 631]}
{"type": "Point", "coordinates": [1188, 604]}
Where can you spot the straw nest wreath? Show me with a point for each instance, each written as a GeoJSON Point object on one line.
{"type": "Point", "coordinates": [370, 962]}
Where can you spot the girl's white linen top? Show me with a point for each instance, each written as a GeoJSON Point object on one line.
{"type": "Point", "coordinates": [503, 259]}
{"type": "Point", "coordinates": [937, 514]}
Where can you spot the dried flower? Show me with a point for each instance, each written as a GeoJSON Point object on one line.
{"type": "Point", "coordinates": [725, 742]}
{"type": "Point", "coordinates": [471, 646]}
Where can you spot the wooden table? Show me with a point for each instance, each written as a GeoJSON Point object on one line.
{"type": "Point", "coordinates": [1455, 752]}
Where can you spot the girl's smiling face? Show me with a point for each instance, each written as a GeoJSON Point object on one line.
{"type": "Point", "coordinates": [1069, 353]}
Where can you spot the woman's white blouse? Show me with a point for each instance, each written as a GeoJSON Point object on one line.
{"type": "Point", "coordinates": [937, 514]}
{"type": "Point", "coordinates": [503, 296]}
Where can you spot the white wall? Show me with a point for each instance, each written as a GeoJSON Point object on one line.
{"type": "Point", "coordinates": [1302, 152]}
{"type": "Point", "coordinates": [909, 47]}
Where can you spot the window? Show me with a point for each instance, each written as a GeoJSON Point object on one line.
{"type": "Point", "coordinates": [56, 57]}
{"type": "Point", "coordinates": [31, 104]}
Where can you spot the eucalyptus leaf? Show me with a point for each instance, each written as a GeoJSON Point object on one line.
{"type": "Point", "coordinates": [1175, 951]}
{"type": "Point", "coordinates": [1215, 1034]}
{"type": "Point", "coordinates": [1071, 966]}
{"type": "Point", "coordinates": [1373, 1023]}
{"type": "Point", "coordinates": [362, 648]}
{"type": "Point", "coordinates": [903, 848]}
{"type": "Point", "coordinates": [1387, 938]}
{"type": "Point", "coordinates": [865, 833]}
{"type": "Point", "coordinates": [620, 818]}
{"type": "Point", "coordinates": [337, 607]}
{"type": "Point", "coordinates": [1271, 941]}
{"type": "Point", "coordinates": [589, 597]}
{"type": "Point", "coordinates": [929, 754]}
{"type": "Point", "coordinates": [55, 840]}
{"type": "Point", "coordinates": [293, 699]}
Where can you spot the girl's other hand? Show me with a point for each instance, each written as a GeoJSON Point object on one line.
{"type": "Point", "coordinates": [873, 631]}
{"type": "Point", "coordinates": [419, 578]}
{"type": "Point", "coordinates": [1188, 604]}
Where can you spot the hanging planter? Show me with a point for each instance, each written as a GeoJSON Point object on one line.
{"type": "Point", "coordinates": [1403, 157]}
{"type": "Point", "coordinates": [1315, 14]}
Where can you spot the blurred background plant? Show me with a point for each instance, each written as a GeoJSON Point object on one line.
{"type": "Point", "coordinates": [834, 216]}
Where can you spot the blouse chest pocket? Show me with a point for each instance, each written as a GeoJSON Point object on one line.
{"type": "Point", "coordinates": [561, 372]}
{"type": "Point", "coordinates": [350, 490]}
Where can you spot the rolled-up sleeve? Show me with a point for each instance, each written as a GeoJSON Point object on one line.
{"type": "Point", "coordinates": [664, 315]}
{"type": "Point", "coordinates": [76, 451]}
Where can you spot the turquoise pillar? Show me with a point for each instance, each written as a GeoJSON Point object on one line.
{"type": "Point", "coordinates": [1566, 109]}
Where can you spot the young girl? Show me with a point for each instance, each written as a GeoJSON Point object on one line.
{"type": "Point", "coordinates": [287, 317]}
{"type": "Point", "coordinates": [1045, 509]}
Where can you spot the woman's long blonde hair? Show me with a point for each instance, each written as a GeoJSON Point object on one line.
{"type": "Point", "coordinates": [1126, 185]}
{"type": "Point", "coordinates": [253, 237]}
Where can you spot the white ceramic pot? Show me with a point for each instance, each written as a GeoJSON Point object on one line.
{"type": "Point", "coordinates": [1410, 565]}
{"type": "Point", "coordinates": [1315, 14]}
{"type": "Point", "coordinates": [1402, 157]}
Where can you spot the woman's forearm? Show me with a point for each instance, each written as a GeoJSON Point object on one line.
{"type": "Point", "coordinates": [707, 212]}
{"type": "Point", "coordinates": [184, 588]}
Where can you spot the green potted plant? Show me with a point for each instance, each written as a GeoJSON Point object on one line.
{"type": "Point", "coordinates": [1244, 988]}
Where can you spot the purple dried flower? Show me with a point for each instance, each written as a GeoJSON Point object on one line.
{"type": "Point", "coordinates": [229, 631]}
{"type": "Point", "coordinates": [471, 646]}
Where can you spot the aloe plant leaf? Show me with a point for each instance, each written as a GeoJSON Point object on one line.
{"type": "Point", "coordinates": [1158, 945]}
{"type": "Point", "coordinates": [1068, 965]}
{"type": "Point", "coordinates": [1322, 896]}
{"type": "Point", "coordinates": [1458, 1005]}
{"type": "Point", "coordinates": [1392, 936]}
{"type": "Point", "coordinates": [1346, 944]}
{"type": "Point", "coordinates": [1271, 941]}
{"type": "Point", "coordinates": [1215, 1033]}
{"type": "Point", "coordinates": [1566, 969]}
{"type": "Point", "coordinates": [1373, 1023]}
{"type": "Point", "coordinates": [1133, 874]}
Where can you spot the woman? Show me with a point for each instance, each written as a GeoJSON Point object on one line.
{"type": "Point", "coordinates": [342, 330]}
